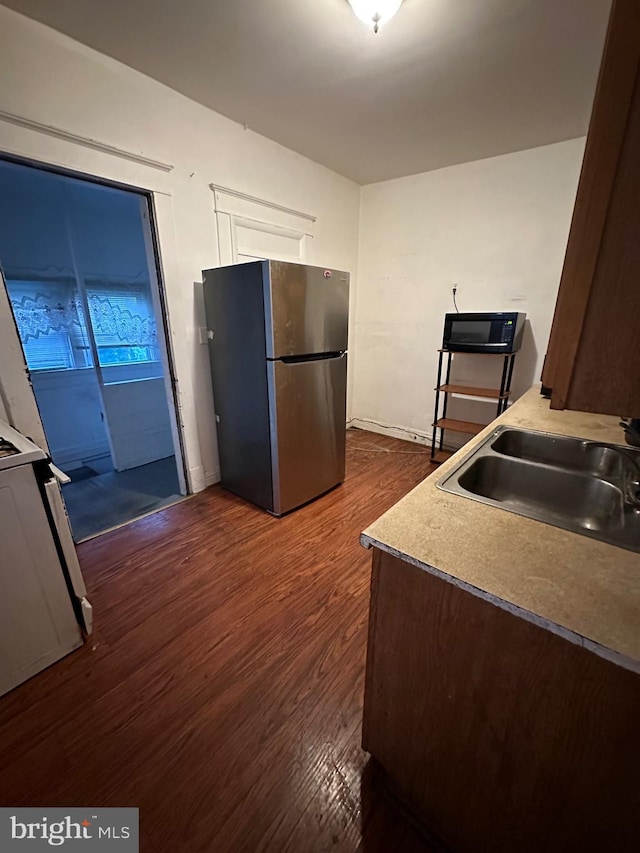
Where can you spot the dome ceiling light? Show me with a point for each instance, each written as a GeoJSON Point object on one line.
{"type": "Point", "coordinates": [375, 12]}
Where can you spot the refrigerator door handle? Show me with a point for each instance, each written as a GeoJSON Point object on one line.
{"type": "Point", "coordinates": [320, 356]}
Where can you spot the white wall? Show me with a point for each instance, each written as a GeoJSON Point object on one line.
{"type": "Point", "coordinates": [48, 78]}
{"type": "Point", "coordinates": [497, 227]}
{"type": "Point", "coordinates": [70, 407]}
{"type": "Point", "coordinates": [139, 427]}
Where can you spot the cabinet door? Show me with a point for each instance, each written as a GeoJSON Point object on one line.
{"type": "Point", "coordinates": [590, 363]}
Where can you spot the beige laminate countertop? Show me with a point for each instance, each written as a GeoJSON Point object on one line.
{"type": "Point", "coordinates": [583, 589]}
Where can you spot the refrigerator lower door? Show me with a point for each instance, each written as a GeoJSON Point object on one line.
{"type": "Point", "coordinates": [308, 418]}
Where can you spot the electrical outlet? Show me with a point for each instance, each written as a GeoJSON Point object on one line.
{"type": "Point", "coordinates": [454, 290]}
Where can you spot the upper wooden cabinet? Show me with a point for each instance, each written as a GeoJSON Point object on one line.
{"type": "Point", "coordinates": [592, 362]}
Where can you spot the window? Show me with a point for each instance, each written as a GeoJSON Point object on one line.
{"type": "Point", "coordinates": [123, 324]}
{"type": "Point", "coordinates": [50, 324]}
{"type": "Point", "coordinates": [51, 351]}
{"type": "Point", "coordinates": [55, 335]}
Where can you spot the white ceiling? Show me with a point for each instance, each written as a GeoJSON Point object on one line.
{"type": "Point", "coordinates": [445, 82]}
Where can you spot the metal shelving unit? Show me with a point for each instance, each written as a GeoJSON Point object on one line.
{"type": "Point", "coordinates": [444, 389]}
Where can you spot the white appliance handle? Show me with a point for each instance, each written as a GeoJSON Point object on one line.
{"type": "Point", "coordinates": [60, 476]}
{"type": "Point", "coordinates": [59, 513]}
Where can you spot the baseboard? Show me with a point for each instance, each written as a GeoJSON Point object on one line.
{"type": "Point", "coordinates": [393, 431]}
{"type": "Point", "coordinates": [212, 477]}
{"type": "Point", "coordinates": [402, 433]}
{"type": "Point", "coordinates": [196, 480]}
{"type": "Point", "coordinates": [75, 457]}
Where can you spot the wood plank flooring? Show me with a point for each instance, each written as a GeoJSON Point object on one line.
{"type": "Point", "coordinates": [221, 692]}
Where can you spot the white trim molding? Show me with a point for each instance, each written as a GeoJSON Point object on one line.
{"type": "Point", "coordinates": [212, 477]}
{"type": "Point", "coordinates": [242, 218]}
{"type": "Point", "coordinates": [220, 191]}
{"type": "Point", "coordinates": [85, 141]}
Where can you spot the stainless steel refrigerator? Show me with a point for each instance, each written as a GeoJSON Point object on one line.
{"type": "Point", "coordinates": [278, 349]}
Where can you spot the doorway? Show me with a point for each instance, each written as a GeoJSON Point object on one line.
{"type": "Point", "coordinates": [79, 267]}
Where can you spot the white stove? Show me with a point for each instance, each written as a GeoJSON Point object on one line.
{"type": "Point", "coordinates": [15, 449]}
{"type": "Point", "coordinates": [43, 605]}
{"type": "Point", "coordinates": [7, 449]}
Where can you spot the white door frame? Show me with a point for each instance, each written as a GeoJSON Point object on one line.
{"type": "Point", "coordinates": [17, 397]}
{"type": "Point", "coordinates": [159, 297]}
{"type": "Point", "coordinates": [17, 401]}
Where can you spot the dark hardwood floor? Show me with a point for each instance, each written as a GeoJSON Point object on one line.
{"type": "Point", "coordinates": [221, 692]}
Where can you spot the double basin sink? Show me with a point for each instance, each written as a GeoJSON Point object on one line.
{"type": "Point", "coordinates": [584, 486]}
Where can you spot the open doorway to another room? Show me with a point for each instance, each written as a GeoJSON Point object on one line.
{"type": "Point", "coordinates": [80, 271]}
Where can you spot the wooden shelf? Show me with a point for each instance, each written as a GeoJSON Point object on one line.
{"type": "Point", "coordinates": [441, 456]}
{"type": "Point", "coordinates": [465, 352]}
{"type": "Point", "coordinates": [459, 426]}
{"type": "Point", "coordinates": [470, 391]}
{"type": "Point", "coordinates": [499, 396]}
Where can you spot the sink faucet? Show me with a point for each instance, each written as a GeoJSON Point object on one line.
{"type": "Point", "coordinates": [631, 431]}
{"type": "Point", "coordinates": [632, 481]}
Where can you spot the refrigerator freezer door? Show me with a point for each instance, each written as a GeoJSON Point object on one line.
{"type": "Point", "coordinates": [308, 416]}
{"type": "Point", "coordinates": [306, 310]}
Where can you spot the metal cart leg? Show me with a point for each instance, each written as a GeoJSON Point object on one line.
{"type": "Point", "coordinates": [435, 411]}
{"type": "Point", "coordinates": [507, 385]}
{"type": "Point", "coordinates": [446, 398]}
{"type": "Point", "coordinates": [503, 381]}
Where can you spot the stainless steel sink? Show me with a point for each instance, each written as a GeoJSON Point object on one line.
{"type": "Point", "coordinates": [577, 485]}
{"type": "Point", "coordinates": [560, 450]}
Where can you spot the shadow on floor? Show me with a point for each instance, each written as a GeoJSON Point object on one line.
{"type": "Point", "coordinates": [99, 502]}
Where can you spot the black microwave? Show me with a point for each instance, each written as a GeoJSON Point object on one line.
{"type": "Point", "coordinates": [499, 331]}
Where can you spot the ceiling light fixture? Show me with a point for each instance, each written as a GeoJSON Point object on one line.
{"type": "Point", "coordinates": [375, 12]}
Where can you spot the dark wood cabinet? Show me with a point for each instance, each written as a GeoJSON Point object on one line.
{"type": "Point", "coordinates": [498, 734]}
{"type": "Point", "coordinates": [592, 358]}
